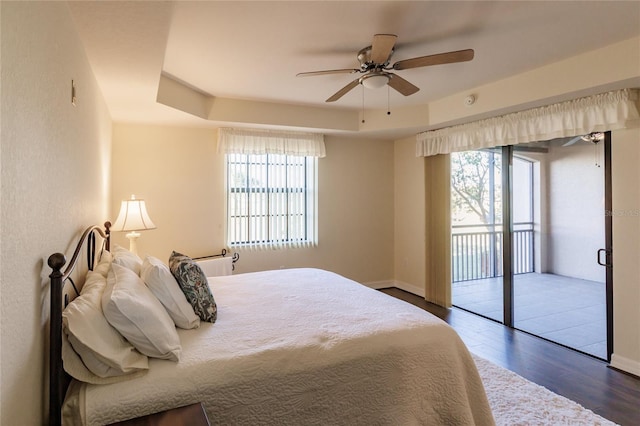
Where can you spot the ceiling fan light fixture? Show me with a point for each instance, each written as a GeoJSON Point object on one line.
{"type": "Point", "coordinates": [374, 81]}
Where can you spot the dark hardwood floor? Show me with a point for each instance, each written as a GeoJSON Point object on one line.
{"type": "Point", "coordinates": [590, 382]}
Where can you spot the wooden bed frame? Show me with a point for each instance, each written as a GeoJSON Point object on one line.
{"type": "Point", "coordinates": [58, 378]}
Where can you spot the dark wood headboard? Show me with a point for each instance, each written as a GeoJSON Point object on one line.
{"type": "Point", "coordinates": [58, 379]}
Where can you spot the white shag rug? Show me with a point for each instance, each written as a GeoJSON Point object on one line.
{"type": "Point", "coordinates": [515, 400]}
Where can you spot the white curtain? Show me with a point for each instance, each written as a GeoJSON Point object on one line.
{"type": "Point", "coordinates": [599, 113]}
{"type": "Point", "coordinates": [255, 141]}
{"type": "Point", "coordinates": [437, 197]}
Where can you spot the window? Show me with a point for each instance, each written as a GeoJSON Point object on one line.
{"type": "Point", "coordinates": [271, 186]}
{"type": "Point", "coordinates": [271, 200]}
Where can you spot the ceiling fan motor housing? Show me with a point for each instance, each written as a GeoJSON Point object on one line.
{"type": "Point", "coordinates": [366, 64]}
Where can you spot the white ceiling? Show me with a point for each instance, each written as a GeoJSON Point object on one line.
{"type": "Point", "coordinates": [252, 51]}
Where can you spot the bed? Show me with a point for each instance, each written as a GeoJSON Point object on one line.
{"type": "Point", "coordinates": [295, 346]}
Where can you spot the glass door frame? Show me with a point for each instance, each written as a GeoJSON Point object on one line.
{"type": "Point", "coordinates": [507, 238]}
{"type": "Point", "coordinates": [608, 236]}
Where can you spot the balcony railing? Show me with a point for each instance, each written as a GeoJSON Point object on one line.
{"type": "Point", "coordinates": [477, 251]}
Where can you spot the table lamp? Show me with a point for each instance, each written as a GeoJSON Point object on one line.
{"type": "Point", "coordinates": [133, 217]}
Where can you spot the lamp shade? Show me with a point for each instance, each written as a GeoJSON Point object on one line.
{"type": "Point", "coordinates": [133, 216]}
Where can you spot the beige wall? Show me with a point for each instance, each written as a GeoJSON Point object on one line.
{"type": "Point", "coordinates": [409, 224]}
{"type": "Point", "coordinates": [55, 180]}
{"type": "Point", "coordinates": [625, 153]}
{"type": "Point", "coordinates": [180, 175]}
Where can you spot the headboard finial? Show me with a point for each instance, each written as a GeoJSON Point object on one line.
{"type": "Point", "coordinates": [56, 261]}
{"type": "Point", "coordinates": [107, 231]}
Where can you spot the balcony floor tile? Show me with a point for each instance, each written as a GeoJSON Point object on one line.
{"type": "Point", "coordinates": [566, 310]}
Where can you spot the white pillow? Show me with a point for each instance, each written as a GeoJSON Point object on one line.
{"type": "Point", "coordinates": [123, 257]}
{"type": "Point", "coordinates": [76, 368]}
{"type": "Point", "coordinates": [104, 352]}
{"type": "Point", "coordinates": [157, 276]}
{"type": "Point", "coordinates": [104, 263]}
{"type": "Point", "coordinates": [135, 312]}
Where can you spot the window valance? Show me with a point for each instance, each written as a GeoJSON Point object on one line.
{"type": "Point", "coordinates": [258, 141]}
{"type": "Point", "coordinates": [598, 113]}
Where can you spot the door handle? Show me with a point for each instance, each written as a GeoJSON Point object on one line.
{"type": "Point", "coordinates": [606, 257]}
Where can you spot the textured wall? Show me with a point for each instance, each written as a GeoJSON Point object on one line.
{"type": "Point", "coordinates": [410, 217]}
{"type": "Point", "coordinates": [181, 176]}
{"type": "Point", "coordinates": [178, 173]}
{"type": "Point", "coordinates": [55, 162]}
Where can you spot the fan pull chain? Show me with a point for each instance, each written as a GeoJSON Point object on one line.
{"type": "Point", "coordinates": [362, 104]}
{"type": "Point", "coordinates": [388, 101]}
{"type": "Point", "coordinates": [597, 154]}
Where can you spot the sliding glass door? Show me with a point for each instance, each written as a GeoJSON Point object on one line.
{"type": "Point", "coordinates": [531, 241]}
{"type": "Point", "coordinates": [563, 298]}
{"type": "Point", "coordinates": [476, 231]}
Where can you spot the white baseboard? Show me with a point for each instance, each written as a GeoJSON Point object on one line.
{"type": "Point", "coordinates": [413, 289]}
{"type": "Point", "coordinates": [377, 285]}
{"type": "Point", "coordinates": [625, 364]}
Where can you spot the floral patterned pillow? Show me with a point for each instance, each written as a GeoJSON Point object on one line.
{"type": "Point", "coordinates": [194, 285]}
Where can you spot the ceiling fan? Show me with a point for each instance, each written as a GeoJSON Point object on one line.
{"type": "Point", "coordinates": [593, 137]}
{"type": "Point", "coordinates": [375, 66]}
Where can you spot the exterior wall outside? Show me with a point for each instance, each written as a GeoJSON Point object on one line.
{"type": "Point", "coordinates": [540, 214]}
{"type": "Point", "coordinates": [576, 211]}
{"type": "Point", "coordinates": [181, 176]}
{"type": "Point", "coordinates": [55, 161]}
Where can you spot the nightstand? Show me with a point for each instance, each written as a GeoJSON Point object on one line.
{"type": "Point", "coordinates": [189, 415]}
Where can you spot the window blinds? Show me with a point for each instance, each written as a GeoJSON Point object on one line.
{"type": "Point", "coordinates": [271, 201]}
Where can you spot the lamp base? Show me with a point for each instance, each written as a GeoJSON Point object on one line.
{"type": "Point", "coordinates": [133, 247]}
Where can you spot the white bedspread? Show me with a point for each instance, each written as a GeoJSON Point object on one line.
{"type": "Point", "coordinates": [305, 347]}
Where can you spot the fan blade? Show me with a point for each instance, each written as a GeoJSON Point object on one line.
{"type": "Point", "coordinates": [312, 73]}
{"type": "Point", "coordinates": [574, 140]}
{"type": "Point", "coordinates": [401, 85]}
{"type": "Point", "coordinates": [382, 47]}
{"type": "Point", "coordinates": [438, 59]}
{"type": "Point", "coordinates": [340, 93]}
